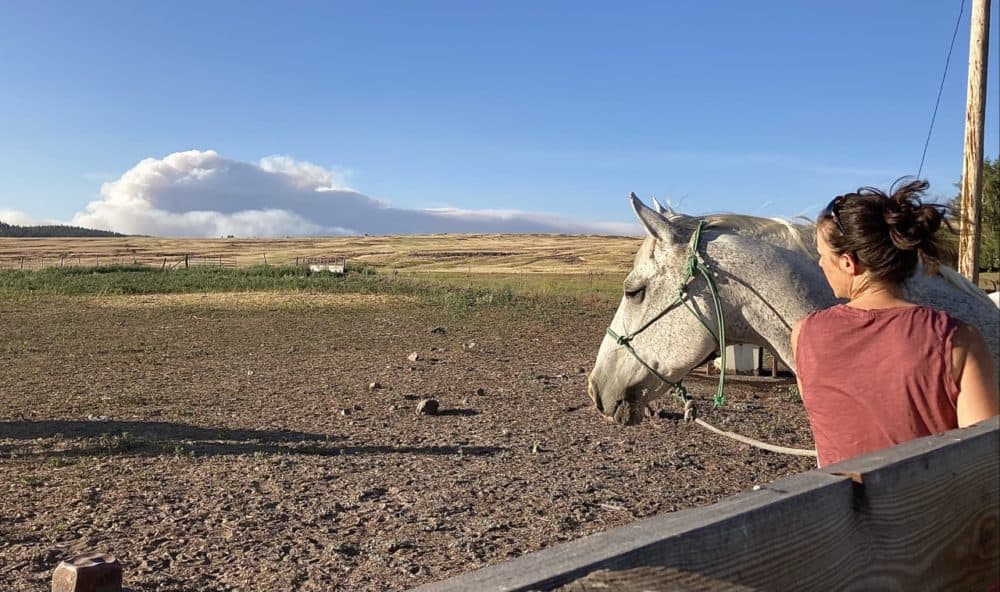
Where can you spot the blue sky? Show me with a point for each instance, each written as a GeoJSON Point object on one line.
{"type": "Point", "coordinates": [552, 107]}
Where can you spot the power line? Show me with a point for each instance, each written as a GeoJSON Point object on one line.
{"type": "Point", "coordinates": [947, 61]}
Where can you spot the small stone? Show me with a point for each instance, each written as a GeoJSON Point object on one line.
{"type": "Point", "coordinates": [427, 407]}
{"type": "Point", "coordinates": [413, 357]}
{"type": "Point", "coordinates": [536, 448]}
{"type": "Point", "coordinates": [756, 488]}
{"type": "Point", "coordinates": [465, 400]}
{"type": "Point", "coordinates": [375, 385]}
{"type": "Point", "coordinates": [249, 372]}
{"type": "Point", "coordinates": [345, 412]}
{"type": "Point", "coordinates": [505, 432]}
{"type": "Point", "coordinates": [88, 573]}
{"type": "Point", "coordinates": [439, 330]}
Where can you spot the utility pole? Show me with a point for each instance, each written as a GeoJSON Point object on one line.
{"type": "Point", "coordinates": [972, 166]}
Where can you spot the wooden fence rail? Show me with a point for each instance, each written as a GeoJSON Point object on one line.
{"type": "Point", "coordinates": [924, 515]}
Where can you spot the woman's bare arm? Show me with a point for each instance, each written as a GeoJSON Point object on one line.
{"type": "Point", "coordinates": [972, 363]}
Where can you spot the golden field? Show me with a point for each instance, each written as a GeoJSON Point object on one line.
{"type": "Point", "coordinates": [471, 253]}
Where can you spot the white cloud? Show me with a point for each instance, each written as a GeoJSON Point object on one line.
{"type": "Point", "coordinates": [18, 218]}
{"type": "Point", "coordinates": [202, 194]}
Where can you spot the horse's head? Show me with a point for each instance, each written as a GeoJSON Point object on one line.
{"type": "Point", "coordinates": [623, 382]}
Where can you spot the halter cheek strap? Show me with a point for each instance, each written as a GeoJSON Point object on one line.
{"type": "Point", "coordinates": [694, 267]}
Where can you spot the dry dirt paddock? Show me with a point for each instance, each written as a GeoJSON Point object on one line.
{"type": "Point", "coordinates": [233, 442]}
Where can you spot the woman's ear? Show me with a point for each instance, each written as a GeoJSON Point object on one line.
{"type": "Point", "coordinates": [849, 264]}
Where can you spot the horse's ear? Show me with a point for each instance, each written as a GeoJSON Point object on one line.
{"type": "Point", "coordinates": [666, 210]}
{"type": "Point", "coordinates": [656, 225]}
{"type": "Point", "coordinates": [660, 208]}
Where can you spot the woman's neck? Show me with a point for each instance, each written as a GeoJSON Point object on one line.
{"type": "Point", "coordinates": [871, 295]}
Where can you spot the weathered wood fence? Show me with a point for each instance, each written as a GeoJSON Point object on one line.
{"type": "Point", "coordinates": [924, 515]}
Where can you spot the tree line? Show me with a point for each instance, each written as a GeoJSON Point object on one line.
{"type": "Point", "coordinates": [989, 243]}
{"type": "Point", "coordinates": [51, 231]}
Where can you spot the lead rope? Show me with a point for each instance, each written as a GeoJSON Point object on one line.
{"type": "Point", "coordinates": [676, 388]}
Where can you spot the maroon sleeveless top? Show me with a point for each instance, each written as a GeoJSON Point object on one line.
{"type": "Point", "coordinates": [875, 378]}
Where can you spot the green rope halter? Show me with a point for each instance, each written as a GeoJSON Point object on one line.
{"type": "Point", "coordinates": [694, 267]}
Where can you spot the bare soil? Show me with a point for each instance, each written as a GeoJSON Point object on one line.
{"type": "Point", "coordinates": [225, 442]}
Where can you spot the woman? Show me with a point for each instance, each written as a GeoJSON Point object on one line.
{"type": "Point", "coordinates": [880, 370]}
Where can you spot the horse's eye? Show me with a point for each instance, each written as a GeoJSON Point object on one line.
{"type": "Point", "coordinates": [635, 295]}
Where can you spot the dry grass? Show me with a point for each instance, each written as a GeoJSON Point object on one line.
{"type": "Point", "coordinates": [491, 253]}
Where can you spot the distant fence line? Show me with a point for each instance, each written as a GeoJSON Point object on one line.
{"type": "Point", "coordinates": [172, 261]}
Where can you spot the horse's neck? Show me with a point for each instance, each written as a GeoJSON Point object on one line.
{"type": "Point", "coordinates": [770, 294]}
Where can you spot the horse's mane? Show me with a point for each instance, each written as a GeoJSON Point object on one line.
{"type": "Point", "coordinates": [798, 237]}
{"type": "Point", "coordinates": [780, 231]}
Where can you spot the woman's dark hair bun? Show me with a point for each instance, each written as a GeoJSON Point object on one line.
{"type": "Point", "coordinates": [913, 223]}
{"type": "Point", "coordinates": [889, 233]}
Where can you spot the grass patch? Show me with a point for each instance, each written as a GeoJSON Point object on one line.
{"type": "Point", "coordinates": [454, 292]}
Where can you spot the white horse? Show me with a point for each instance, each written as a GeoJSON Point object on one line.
{"type": "Point", "coordinates": [766, 277]}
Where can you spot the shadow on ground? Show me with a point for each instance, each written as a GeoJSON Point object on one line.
{"type": "Point", "coordinates": [89, 438]}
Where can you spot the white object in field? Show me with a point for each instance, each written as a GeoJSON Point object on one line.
{"type": "Point", "coordinates": [739, 358]}
{"type": "Point", "coordinates": [337, 269]}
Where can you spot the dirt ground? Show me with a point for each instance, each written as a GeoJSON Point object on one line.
{"type": "Point", "coordinates": [235, 442]}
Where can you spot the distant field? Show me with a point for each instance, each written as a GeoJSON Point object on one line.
{"type": "Point", "coordinates": [494, 253]}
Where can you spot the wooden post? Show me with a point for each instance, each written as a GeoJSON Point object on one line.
{"type": "Point", "coordinates": [22, 264]}
{"type": "Point", "coordinates": [265, 258]}
{"type": "Point", "coordinates": [972, 166]}
{"type": "Point", "coordinates": [185, 261]}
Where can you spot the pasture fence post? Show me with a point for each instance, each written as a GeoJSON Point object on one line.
{"type": "Point", "coordinates": [185, 261]}
{"type": "Point", "coordinates": [22, 264]}
{"type": "Point", "coordinates": [265, 258]}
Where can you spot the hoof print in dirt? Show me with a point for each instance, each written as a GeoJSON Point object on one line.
{"type": "Point", "coordinates": [439, 330]}
{"type": "Point", "coordinates": [413, 357]}
{"type": "Point", "coordinates": [427, 407]}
